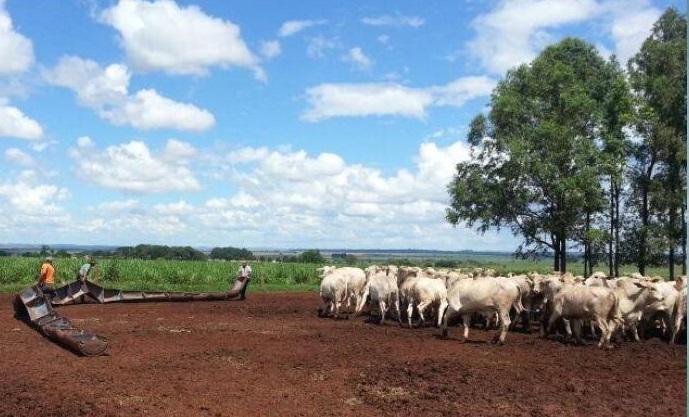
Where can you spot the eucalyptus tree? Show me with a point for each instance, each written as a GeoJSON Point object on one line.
{"type": "Point", "coordinates": [534, 166]}
{"type": "Point", "coordinates": [617, 117]}
{"type": "Point", "coordinates": [658, 74]}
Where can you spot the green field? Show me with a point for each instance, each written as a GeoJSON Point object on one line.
{"type": "Point", "coordinates": [166, 275]}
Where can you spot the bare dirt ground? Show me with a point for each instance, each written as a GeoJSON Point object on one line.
{"type": "Point", "coordinates": [272, 356]}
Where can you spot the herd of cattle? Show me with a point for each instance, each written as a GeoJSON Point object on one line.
{"type": "Point", "coordinates": [607, 304]}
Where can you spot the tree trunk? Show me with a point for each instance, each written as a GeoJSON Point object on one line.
{"type": "Point", "coordinates": [611, 266]}
{"type": "Point", "coordinates": [563, 255]}
{"type": "Point", "coordinates": [616, 257]}
{"type": "Point", "coordinates": [556, 255]}
{"type": "Point", "coordinates": [684, 240]}
{"type": "Point", "coordinates": [671, 256]}
{"type": "Point", "coordinates": [643, 239]}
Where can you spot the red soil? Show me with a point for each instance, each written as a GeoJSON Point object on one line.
{"type": "Point", "coordinates": [272, 356]}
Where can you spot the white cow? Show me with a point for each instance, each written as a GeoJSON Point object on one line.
{"type": "Point", "coordinates": [333, 291]}
{"type": "Point", "coordinates": [381, 288]}
{"type": "Point", "coordinates": [419, 288]}
{"type": "Point", "coordinates": [635, 296]}
{"type": "Point", "coordinates": [680, 313]}
{"type": "Point", "coordinates": [485, 296]}
{"type": "Point", "coordinates": [577, 302]}
{"type": "Point", "coordinates": [339, 285]}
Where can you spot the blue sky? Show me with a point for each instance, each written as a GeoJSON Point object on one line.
{"type": "Point", "coordinates": [262, 124]}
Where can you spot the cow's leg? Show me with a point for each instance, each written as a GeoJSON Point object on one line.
{"type": "Point", "coordinates": [577, 331]}
{"type": "Point", "coordinates": [410, 311]}
{"type": "Point", "coordinates": [568, 328]}
{"type": "Point", "coordinates": [504, 320]}
{"type": "Point", "coordinates": [606, 330]}
{"type": "Point", "coordinates": [466, 321]}
{"type": "Point", "coordinates": [592, 328]}
{"type": "Point", "coordinates": [382, 305]}
{"type": "Point", "coordinates": [420, 308]}
{"type": "Point", "coordinates": [551, 322]}
{"type": "Point", "coordinates": [441, 311]}
{"type": "Point", "coordinates": [448, 315]}
{"type": "Point", "coordinates": [397, 310]}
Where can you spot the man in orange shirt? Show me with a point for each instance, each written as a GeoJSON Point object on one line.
{"type": "Point", "coordinates": [46, 280]}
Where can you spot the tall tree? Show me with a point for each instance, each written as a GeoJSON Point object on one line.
{"type": "Point", "coordinates": [616, 148]}
{"type": "Point", "coordinates": [658, 74]}
{"type": "Point", "coordinates": [535, 160]}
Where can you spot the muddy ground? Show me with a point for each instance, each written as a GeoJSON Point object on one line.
{"type": "Point", "coordinates": [272, 356]}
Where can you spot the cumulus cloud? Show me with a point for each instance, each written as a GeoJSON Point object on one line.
{"type": "Point", "coordinates": [279, 197]}
{"type": "Point", "coordinates": [16, 50]}
{"type": "Point", "coordinates": [295, 26]}
{"type": "Point", "coordinates": [19, 157]}
{"type": "Point", "coordinates": [357, 57]}
{"type": "Point", "coordinates": [390, 99]}
{"type": "Point", "coordinates": [149, 110]}
{"type": "Point", "coordinates": [106, 91]}
{"type": "Point", "coordinates": [161, 36]}
{"type": "Point", "coordinates": [30, 202]}
{"type": "Point", "coordinates": [515, 31]}
{"type": "Point", "coordinates": [630, 24]}
{"type": "Point", "coordinates": [397, 20]}
{"type": "Point", "coordinates": [15, 124]}
{"type": "Point", "coordinates": [130, 167]}
{"type": "Point", "coordinates": [321, 198]}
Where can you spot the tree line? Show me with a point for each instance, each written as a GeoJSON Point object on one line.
{"type": "Point", "coordinates": [184, 253]}
{"type": "Point", "coordinates": [577, 152]}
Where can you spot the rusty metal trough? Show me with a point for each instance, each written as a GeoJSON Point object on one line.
{"type": "Point", "coordinates": [36, 308]}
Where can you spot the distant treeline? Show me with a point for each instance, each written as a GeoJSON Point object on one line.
{"type": "Point", "coordinates": [181, 253]}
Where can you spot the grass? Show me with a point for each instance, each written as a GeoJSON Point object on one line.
{"type": "Point", "coordinates": [211, 276]}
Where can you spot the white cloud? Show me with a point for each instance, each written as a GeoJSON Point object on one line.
{"type": "Point", "coordinates": [514, 32]}
{"type": "Point", "coordinates": [161, 36]}
{"type": "Point", "coordinates": [130, 167]}
{"type": "Point", "coordinates": [106, 91]}
{"type": "Point", "coordinates": [350, 100]}
{"type": "Point", "coordinates": [180, 207]}
{"type": "Point", "coordinates": [19, 157]}
{"type": "Point", "coordinates": [398, 20]}
{"type": "Point", "coordinates": [319, 45]}
{"type": "Point", "coordinates": [148, 110]}
{"type": "Point", "coordinates": [295, 26]}
{"type": "Point", "coordinates": [270, 49]}
{"type": "Point", "coordinates": [15, 124]}
{"type": "Point", "coordinates": [461, 90]}
{"type": "Point", "coordinates": [95, 86]}
{"type": "Point", "coordinates": [292, 196]}
{"type": "Point", "coordinates": [116, 208]}
{"type": "Point", "coordinates": [347, 100]}
{"type": "Point", "coordinates": [33, 200]}
{"type": "Point", "coordinates": [283, 198]}
{"type": "Point", "coordinates": [16, 51]}
{"type": "Point", "coordinates": [357, 57]}
{"type": "Point", "coordinates": [178, 151]}
{"type": "Point", "coordinates": [630, 25]}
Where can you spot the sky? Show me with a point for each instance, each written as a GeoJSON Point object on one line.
{"type": "Point", "coordinates": [264, 123]}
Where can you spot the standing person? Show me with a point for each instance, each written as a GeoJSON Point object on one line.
{"type": "Point", "coordinates": [85, 269]}
{"type": "Point", "coordinates": [46, 278]}
{"type": "Point", "coordinates": [244, 275]}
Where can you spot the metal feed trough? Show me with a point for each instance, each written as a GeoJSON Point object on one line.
{"type": "Point", "coordinates": [36, 308]}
